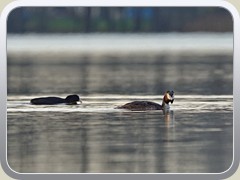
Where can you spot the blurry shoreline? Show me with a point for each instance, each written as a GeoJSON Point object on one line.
{"type": "Point", "coordinates": [72, 47]}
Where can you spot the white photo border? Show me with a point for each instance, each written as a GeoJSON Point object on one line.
{"type": "Point", "coordinates": [124, 3]}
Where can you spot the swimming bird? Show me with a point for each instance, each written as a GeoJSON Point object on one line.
{"type": "Point", "coordinates": [69, 100]}
{"type": "Point", "coordinates": [148, 105]}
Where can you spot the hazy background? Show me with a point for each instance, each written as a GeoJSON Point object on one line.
{"type": "Point", "coordinates": [97, 41]}
{"type": "Point", "coordinates": [119, 19]}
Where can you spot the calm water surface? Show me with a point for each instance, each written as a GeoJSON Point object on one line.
{"type": "Point", "coordinates": [194, 136]}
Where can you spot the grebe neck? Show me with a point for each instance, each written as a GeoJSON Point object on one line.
{"type": "Point", "coordinates": [165, 105]}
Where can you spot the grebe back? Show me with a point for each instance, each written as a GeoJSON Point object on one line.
{"type": "Point", "coordinates": [148, 105]}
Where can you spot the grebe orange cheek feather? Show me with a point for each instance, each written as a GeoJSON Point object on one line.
{"type": "Point", "coordinates": [148, 105]}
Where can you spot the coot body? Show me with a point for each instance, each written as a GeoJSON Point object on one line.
{"type": "Point", "coordinates": [71, 99]}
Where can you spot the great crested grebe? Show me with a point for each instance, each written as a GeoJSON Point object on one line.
{"type": "Point", "coordinates": [71, 99]}
{"type": "Point", "coordinates": [147, 105]}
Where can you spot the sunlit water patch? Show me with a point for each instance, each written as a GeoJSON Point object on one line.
{"type": "Point", "coordinates": [108, 103]}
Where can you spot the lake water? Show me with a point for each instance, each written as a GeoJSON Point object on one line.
{"type": "Point", "coordinates": [195, 136]}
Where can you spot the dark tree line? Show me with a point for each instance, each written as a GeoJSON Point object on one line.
{"type": "Point", "coordinates": [119, 19]}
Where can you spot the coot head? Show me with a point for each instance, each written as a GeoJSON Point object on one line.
{"type": "Point", "coordinates": [72, 99]}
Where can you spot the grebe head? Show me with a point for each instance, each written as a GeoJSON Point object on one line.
{"type": "Point", "coordinates": [72, 99]}
{"type": "Point", "coordinates": [168, 97]}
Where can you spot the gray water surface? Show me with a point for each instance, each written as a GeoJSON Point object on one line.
{"type": "Point", "coordinates": [195, 136]}
{"type": "Point", "coordinates": [96, 138]}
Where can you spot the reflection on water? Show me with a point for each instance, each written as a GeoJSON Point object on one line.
{"type": "Point", "coordinates": [95, 137]}
{"type": "Point", "coordinates": [194, 137]}
{"type": "Point", "coordinates": [186, 75]}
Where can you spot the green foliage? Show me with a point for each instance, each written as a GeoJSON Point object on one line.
{"type": "Point", "coordinates": [65, 24]}
{"type": "Point", "coordinates": [100, 19]}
